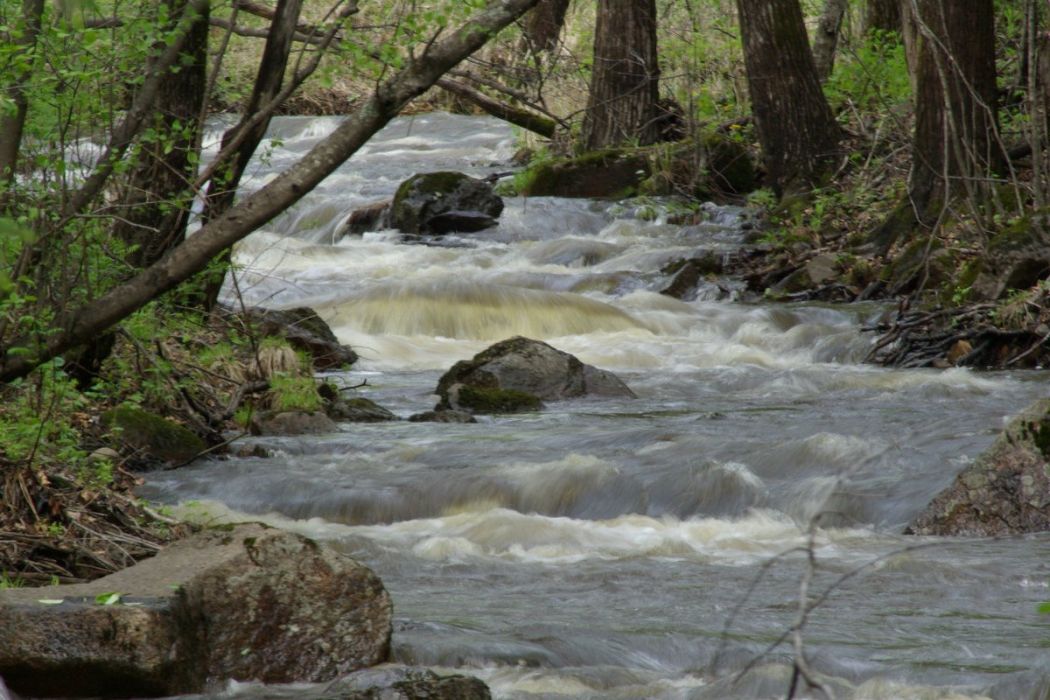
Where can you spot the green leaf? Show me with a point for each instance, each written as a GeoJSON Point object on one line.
{"type": "Point", "coordinates": [107, 598]}
{"type": "Point", "coordinates": [1044, 608]}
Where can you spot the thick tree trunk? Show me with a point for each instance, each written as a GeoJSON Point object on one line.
{"type": "Point", "coordinates": [956, 142]}
{"type": "Point", "coordinates": [796, 129]}
{"type": "Point", "coordinates": [882, 16]}
{"type": "Point", "coordinates": [12, 123]}
{"type": "Point", "coordinates": [826, 40]}
{"type": "Point", "coordinates": [156, 203]}
{"type": "Point", "coordinates": [955, 146]}
{"type": "Point", "coordinates": [625, 79]}
{"type": "Point", "coordinates": [75, 326]}
{"type": "Point", "coordinates": [544, 23]}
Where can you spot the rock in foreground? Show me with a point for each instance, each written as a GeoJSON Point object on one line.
{"type": "Point", "coordinates": [522, 366]}
{"type": "Point", "coordinates": [243, 603]}
{"type": "Point", "coordinates": [1006, 491]}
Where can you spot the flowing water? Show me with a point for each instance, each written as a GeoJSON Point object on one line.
{"type": "Point", "coordinates": [646, 548]}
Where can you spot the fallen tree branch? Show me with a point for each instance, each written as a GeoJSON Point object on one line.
{"type": "Point", "coordinates": [501, 110]}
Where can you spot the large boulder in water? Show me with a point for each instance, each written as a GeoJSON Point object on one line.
{"type": "Point", "coordinates": [1006, 491]}
{"type": "Point", "coordinates": [443, 202]}
{"type": "Point", "coordinates": [521, 366]}
{"type": "Point", "coordinates": [243, 603]}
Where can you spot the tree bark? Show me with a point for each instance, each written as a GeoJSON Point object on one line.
{"type": "Point", "coordinates": [155, 207]}
{"type": "Point", "coordinates": [625, 78]}
{"type": "Point", "coordinates": [796, 129]}
{"type": "Point", "coordinates": [882, 16]}
{"type": "Point", "coordinates": [223, 188]}
{"type": "Point", "coordinates": [268, 81]}
{"type": "Point", "coordinates": [826, 40]}
{"type": "Point", "coordinates": [956, 144]}
{"type": "Point", "coordinates": [544, 23]}
{"type": "Point", "coordinates": [13, 124]}
{"type": "Point", "coordinates": [75, 326]}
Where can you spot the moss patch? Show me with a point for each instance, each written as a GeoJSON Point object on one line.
{"type": "Point", "coordinates": [492, 400]}
{"type": "Point", "coordinates": [151, 435]}
{"type": "Point", "coordinates": [610, 174]}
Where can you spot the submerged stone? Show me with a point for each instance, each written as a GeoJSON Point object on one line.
{"type": "Point", "coordinates": [292, 423]}
{"type": "Point", "coordinates": [396, 682]}
{"type": "Point", "coordinates": [446, 416]}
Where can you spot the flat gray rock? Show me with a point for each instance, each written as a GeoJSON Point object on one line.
{"type": "Point", "coordinates": [244, 603]}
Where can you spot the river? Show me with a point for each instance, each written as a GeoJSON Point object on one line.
{"type": "Point", "coordinates": [646, 548]}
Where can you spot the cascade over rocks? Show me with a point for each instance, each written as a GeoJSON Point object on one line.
{"type": "Point", "coordinates": [444, 202]}
{"type": "Point", "coordinates": [519, 373]}
{"type": "Point", "coordinates": [1006, 491]}
{"type": "Point", "coordinates": [245, 603]}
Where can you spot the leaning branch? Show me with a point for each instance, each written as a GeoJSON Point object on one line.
{"type": "Point", "coordinates": [77, 326]}
{"type": "Point", "coordinates": [501, 110]}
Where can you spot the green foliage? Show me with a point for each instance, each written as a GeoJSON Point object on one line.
{"type": "Point", "coordinates": [291, 393]}
{"type": "Point", "coordinates": [872, 77]}
{"type": "Point", "coordinates": [37, 420]}
{"type": "Point", "coordinates": [7, 582]}
{"type": "Point", "coordinates": [495, 400]}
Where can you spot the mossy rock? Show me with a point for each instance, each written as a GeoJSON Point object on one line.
{"type": "Point", "coordinates": [608, 174]}
{"type": "Point", "coordinates": [1017, 258]}
{"type": "Point", "coordinates": [713, 167]}
{"type": "Point", "coordinates": [924, 263]}
{"type": "Point", "coordinates": [494, 400]}
{"type": "Point", "coordinates": [151, 436]}
{"type": "Point", "coordinates": [729, 164]}
{"type": "Point", "coordinates": [443, 202]}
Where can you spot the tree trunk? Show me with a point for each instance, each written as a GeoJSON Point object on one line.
{"type": "Point", "coordinates": [268, 83]}
{"type": "Point", "coordinates": [544, 23]}
{"type": "Point", "coordinates": [625, 79]}
{"type": "Point", "coordinates": [74, 326]}
{"type": "Point", "coordinates": [12, 123]}
{"type": "Point", "coordinates": [796, 129]}
{"type": "Point", "coordinates": [882, 16]}
{"type": "Point", "coordinates": [1039, 91]}
{"type": "Point", "coordinates": [223, 188]}
{"type": "Point", "coordinates": [956, 142]}
{"type": "Point", "coordinates": [156, 204]}
{"type": "Point", "coordinates": [826, 40]}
